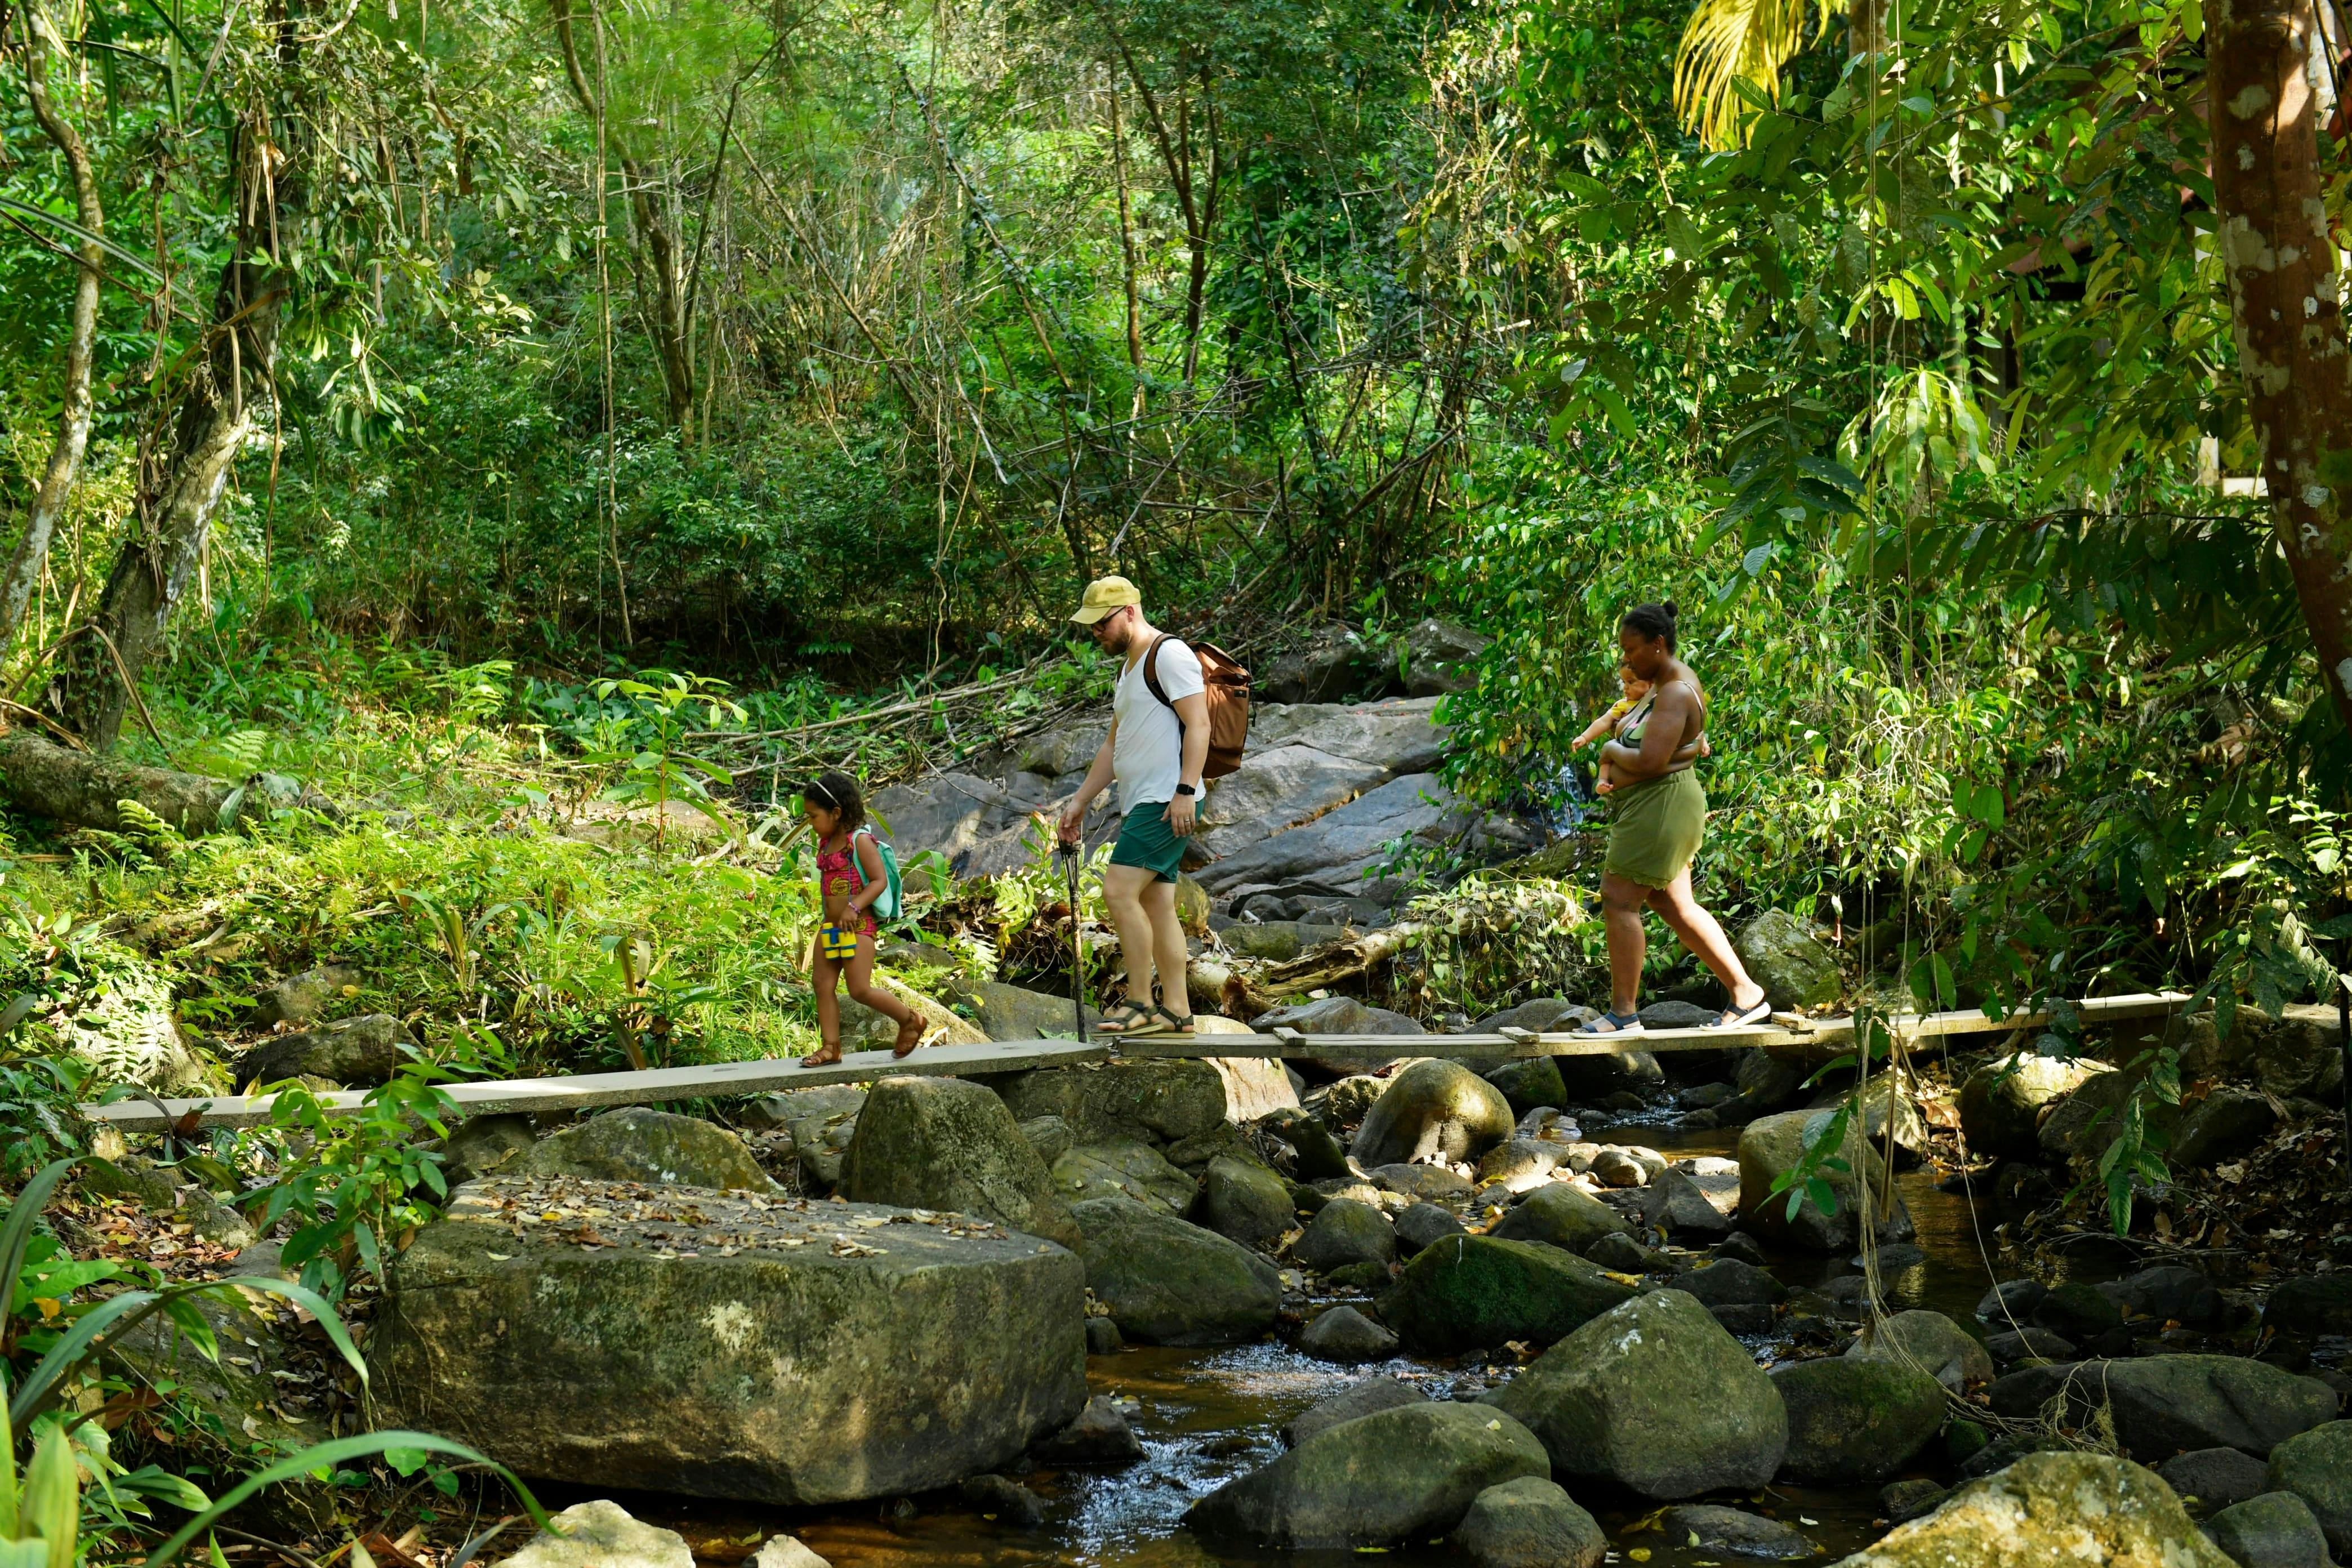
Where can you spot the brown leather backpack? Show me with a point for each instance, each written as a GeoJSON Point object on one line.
{"type": "Point", "coordinates": [1226, 686]}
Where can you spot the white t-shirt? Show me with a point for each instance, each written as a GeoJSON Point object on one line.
{"type": "Point", "coordinates": [1147, 761]}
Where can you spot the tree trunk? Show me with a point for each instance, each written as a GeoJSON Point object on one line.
{"type": "Point", "coordinates": [76, 787]}
{"type": "Point", "coordinates": [2282, 302]}
{"type": "Point", "coordinates": [23, 574]}
{"type": "Point", "coordinates": [179, 488]}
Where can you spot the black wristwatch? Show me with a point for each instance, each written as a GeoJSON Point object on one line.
{"type": "Point", "coordinates": [1186, 789]}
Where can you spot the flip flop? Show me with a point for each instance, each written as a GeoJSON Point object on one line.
{"type": "Point", "coordinates": [1739, 1018]}
{"type": "Point", "coordinates": [1122, 1019]}
{"type": "Point", "coordinates": [1619, 1023]}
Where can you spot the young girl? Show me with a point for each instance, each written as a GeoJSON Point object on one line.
{"type": "Point", "coordinates": [850, 877]}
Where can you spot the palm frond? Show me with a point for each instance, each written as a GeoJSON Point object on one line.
{"type": "Point", "coordinates": [1737, 40]}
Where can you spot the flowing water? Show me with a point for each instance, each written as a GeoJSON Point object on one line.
{"type": "Point", "coordinates": [1207, 1415]}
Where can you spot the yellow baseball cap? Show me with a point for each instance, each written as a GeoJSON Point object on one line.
{"type": "Point", "coordinates": [1105, 594]}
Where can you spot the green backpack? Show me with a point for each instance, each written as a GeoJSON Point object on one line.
{"type": "Point", "coordinates": [893, 901]}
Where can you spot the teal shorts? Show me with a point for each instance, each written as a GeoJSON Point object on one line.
{"type": "Point", "coordinates": [1145, 839]}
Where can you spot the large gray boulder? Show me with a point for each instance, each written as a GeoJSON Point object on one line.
{"type": "Point", "coordinates": [1772, 1145]}
{"type": "Point", "coordinates": [1529, 1083]}
{"type": "Point", "coordinates": [1854, 1421]}
{"type": "Point", "coordinates": [2317, 1466]}
{"type": "Point", "coordinates": [1342, 848]}
{"type": "Point", "coordinates": [1795, 967]}
{"type": "Point", "coordinates": [1151, 1101]}
{"type": "Point", "coordinates": [1344, 1334]}
{"type": "Point", "coordinates": [1244, 1202]}
{"type": "Point", "coordinates": [1343, 1232]}
{"type": "Point", "coordinates": [2226, 1123]}
{"type": "Point", "coordinates": [2001, 1101]}
{"type": "Point", "coordinates": [1480, 1291]}
{"type": "Point", "coordinates": [637, 1144]}
{"type": "Point", "coordinates": [683, 1339]}
{"type": "Point", "coordinates": [946, 1143]}
{"type": "Point", "coordinates": [602, 1534]}
{"type": "Point", "coordinates": [1402, 1474]}
{"type": "Point", "coordinates": [1654, 1396]}
{"type": "Point", "coordinates": [1433, 1111]}
{"type": "Point", "coordinates": [1168, 1282]}
{"type": "Point", "coordinates": [1339, 1016]}
{"type": "Point", "coordinates": [1562, 1216]}
{"type": "Point", "coordinates": [1357, 1399]}
{"type": "Point", "coordinates": [299, 998]}
{"type": "Point", "coordinates": [1930, 1343]}
{"type": "Point", "coordinates": [367, 1049]}
{"type": "Point", "coordinates": [2050, 1509]}
{"type": "Point", "coordinates": [1274, 788]}
{"type": "Point", "coordinates": [1010, 1013]}
{"type": "Point", "coordinates": [1530, 1523]}
{"type": "Point", "coordinates": [2275, 1530]}
{"type": "Point", "coordinates": [1441, 657]}
{"type": "Point", "coordinates": [2082, 1125]}
{"type": "Point", "coordinates": [1127, 1168]}
{"type": "Point", "coordinates": [2164, 1404]}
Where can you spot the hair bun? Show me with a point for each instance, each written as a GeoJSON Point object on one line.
{"type": "Point", "coordinates": [1672, 611]}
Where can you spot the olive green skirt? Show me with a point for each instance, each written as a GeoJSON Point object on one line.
{"type": "Point", "coordinates": [1654, 828]}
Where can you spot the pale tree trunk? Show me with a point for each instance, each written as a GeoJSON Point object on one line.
{"type": "Point", "coordinates": [23, 573]}
{"type": "Point", "coordinates": [180, 489]}
{"type": "Point", "coordinates": [2274, 245]}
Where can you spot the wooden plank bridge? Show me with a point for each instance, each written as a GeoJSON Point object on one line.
{"type": "Point", "coordinates": [735, 1080]}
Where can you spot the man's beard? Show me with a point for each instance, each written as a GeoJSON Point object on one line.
{"type": "Point", "coordinates": [1121, 639]}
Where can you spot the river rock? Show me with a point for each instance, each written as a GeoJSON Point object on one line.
{"type": "Point", "coordinates": [299, 998]}
{"type": "Point", "coordinates": [1902, 1501]}
{"type": "Point", "coordinates": [1099, 1435]}
{"type": "Point", "coordinates": [2275, 1530]}
{"type": "Point", "coordinates": [1423, 1183]}
{"type": "Point", "coordinates": [1003, 1500]}
{"type": "Point", "coordinates": [619, 1343]}
{"type": "Point", "coordinates": [2049, 1509]}
{"type": "Point", "coordinates": [1125, 1167]}
{"type": "Point", "coordinates": [2310, 1305]}
{"type": "Point", "coordinates": [1653, 1395]}
{"type": "Point", "coordinates": [1317, 1154]}
{"type": "Point", "coordinates": [2161, 1404]}
{"type": "Point", "coordinates": [366, 1049]}
{"type": "Point", "coordinates": [1482, 1292]}
{"type": "Point", "coordinates": [1591, 1080]}
{"type": "Point", "coordinates": [602, 1534]}
{"type": "Point", "coordinates": [789, 1108]}
{"type": "Point", "coordinates": [2035, 1344]}
{"type": "Point", "coordinates": [948, 1143]}
{"type": "Point", "coordinates": [1010, 1013]}
{"type": "Point", "coordinates": [2298, 1054]}
{"type": "Point", "coordinates": [1402, 1474]}
{"type": "Point", "coordinates": [2317, 1466]}
{"type": "Point", "coordinates": [241, 1392]}
{"type": "Point", "coordinates": [1425, 1224]}
{"type": "Point", "coordinates": [1244, 1202]}
{"type": "Point", "coordinates": [1930, 1342]}
{"type": "Point", "coordinates": [1166, 1282]}
{"type": "Point", "coordinates": [1774, 1144]}
{"type": "Point", "coordinates": [637, 1144]}
{"type": "Point", "coordinates": [1521, 1164]}
{"type": "Point", "coordinates": [1254, 1086]}
{"type": "Point", "coordinates": [1342, 1333]}
{"type": "Point", "coordinates": [1560, 1216]}
{"type": "Point", "coordinates": [1530, 1523]}
{"type": "Point", "coordinates": [2167, 1293]}
{"type": "Point", "coordinates": [2001, 1102]}
{"type": "Point", "coordinates": [1433, 1111]}
{"type": "Point", "coordinates": [2224, 1124]}
{"type": "Point", "coordinates": [1796, 968]}
{"type": "Point", "coordinates": [1357, 1399]}
{"type": "Point", "coordinates": [1049, 1136]}
{"type": "Point", "coordinates": [1735, 1532]}
{"type": "Point", "coordinates": [1277, 941]}
{"type": "Point", "coordinates": [2080, 1311]}
{"type": "Point", "coordinates": [1162, 1101]}
{"type": "Point", "coordinates": [1728, 1282]}
{"type": "Point", "coordinates": [2082, 1125]}
{"type": "Point", "coordinates": [1345, 1232]}
{"type": "Point", "coordinates": [2215, 1478]}
{"type": "Point", "coordinates": [1529, 1083]}
{"type": "Point", "coordinates": [1441, 657]}
{"type": "Point", "coordinates": [1855, 1420]}
{"type": "Point", "coordinates": [780, 1551]}
{"type": "Point", "coordinates": [1692, 1216]}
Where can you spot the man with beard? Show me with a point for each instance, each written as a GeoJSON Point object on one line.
{"type": "Point", "coordinates": [1159, 743]}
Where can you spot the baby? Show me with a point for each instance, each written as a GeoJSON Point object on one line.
{"type": "Point", "coordinates": [1634, 689]}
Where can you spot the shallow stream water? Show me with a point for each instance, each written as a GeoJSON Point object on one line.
{"type": "Point", "coordinates": [1207, 1415]}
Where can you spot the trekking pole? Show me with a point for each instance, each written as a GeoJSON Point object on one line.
{"type": "Point", "coordinates": [1077, 940]}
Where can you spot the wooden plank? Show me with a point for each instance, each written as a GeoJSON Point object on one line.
{"type": "Point", "coordinates": [716, 1080]}
{"type": "Point", "coordinates": [727, 1079]}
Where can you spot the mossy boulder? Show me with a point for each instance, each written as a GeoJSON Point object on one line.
{"type": "Point", "coordinates": [1528, 1083]}
{"type": "Point", "coordinates": [1400, 1474]}
{"type": "Point", "coordinates": [2001, 1102]}
{"type": "Point", "coordinates": [1854, 1421]}
{"type": "Point", "coordinates": [1774, 1145]}
{"type": "Point", "coordinates": [1654, 1396]}
{"type": "Point", "coordinates": [944, 1143]}
{"type": "Point", "coordinates": [1433, 1111]}
{"type": "Point", "coordinates": [1530, 1523]}
{"type": "Point", "coordinates": [1795, 967]}
{"type": "Point", "coordinates": [1171, 1283]}
{"type": "Point", "coordinates": [2317, 1466]}
{"type": "Point", "coordinates": [1148, 1102]}
{"type": "Point", "coordinates": [1343, 1232]}
{"type": "Point", "coordinates": [2052, 1508]}
{"type": "Point", "coordinates": [366, 1049]}
{"type": "Point", "coordinates": [1479, 1291]}
{"type": "Point", "coordinates": [1124, 1167]}
{"type": "Point", "coordinates": [1562, 1216]}
{"type": "Point", "coordinates": [1244, 1202]}
{"type": "Point", "coordinates": [732, 1345]}
{"type": "Point", "coordinates": [636, 1145]}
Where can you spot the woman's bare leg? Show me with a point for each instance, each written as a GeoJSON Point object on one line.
{"type": "Point", "coordinates": [1620, 913]}
{"type": "Point", "coordinates": [1703, 935]}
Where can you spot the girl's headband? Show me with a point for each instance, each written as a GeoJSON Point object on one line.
{"type": "Point", "coordinates": [817, 787]}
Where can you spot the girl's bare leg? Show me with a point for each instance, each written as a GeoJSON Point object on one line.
{"type": "Point", "coordinates": [823, 976]}
{"type": "Point", "coordinates": [863, 991]}
{"type": "Point", "coordinates": [1703, 935]}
